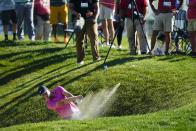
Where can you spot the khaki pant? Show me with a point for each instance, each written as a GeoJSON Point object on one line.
{"type": "Point", "coordinates": [164, 22]}
{"type": "Point", "coordinates": [43, 29]}
{"type": "Point", "coordinates": [92, 32]}
{"type": "Point", "coordinates": [130, 31]}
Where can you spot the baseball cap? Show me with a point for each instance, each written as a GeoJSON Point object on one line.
{"type": "Point", "coordinates": [42, 90]}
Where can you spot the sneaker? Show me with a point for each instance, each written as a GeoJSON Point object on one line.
{"type": "Point", "coordinates": [81, 63]}
{"type": "Point", "coordinates": [56, 40]}
{"type": "Point", "coordinates": [113, 46]}
{"type": "Point", "coordinates": [106, 44]}
{"type": "Point", "coordinates": [98, 59]}
{"type": "Point", "coordinates": [119, 47]}
{"type": "Point", "coordinates": [65, 40]}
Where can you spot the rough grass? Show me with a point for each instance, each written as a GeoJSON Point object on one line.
{"type": "Point", "coordinates": [155, 83]}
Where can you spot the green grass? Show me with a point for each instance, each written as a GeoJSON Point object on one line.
{"type": "Point", "coordinates": [182, 119]}
{"type": "Point", "coordinates": [156, 83]}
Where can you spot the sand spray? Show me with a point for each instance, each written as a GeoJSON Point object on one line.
{"type": "Point", "coordinates": [93, 104]}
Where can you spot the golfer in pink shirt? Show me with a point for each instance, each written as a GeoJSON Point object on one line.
{"type": "Point", "coordinates": [60, 101]}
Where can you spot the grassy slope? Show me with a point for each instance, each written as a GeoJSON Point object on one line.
{"type": "Point", "coordinates": [156, 83]}
{"type": "Point", "coordinates": [182, 119]}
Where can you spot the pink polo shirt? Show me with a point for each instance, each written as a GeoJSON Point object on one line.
{"type": "Point", "coordinates": [65, 110]}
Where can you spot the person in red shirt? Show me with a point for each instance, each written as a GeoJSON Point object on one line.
{"type": "Point", "coordinates": [42, 15]}
{"type": "Point", "coordinates": [125, 11]}
{"type": "Point", "coordinates": [192, 25]}
{"type": "Point", "coordinates": [164, 20]}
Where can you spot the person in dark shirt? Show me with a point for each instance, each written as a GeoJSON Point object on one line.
{"type": "Point", "coordinates": [85, 14]}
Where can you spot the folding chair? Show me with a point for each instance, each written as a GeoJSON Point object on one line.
{"type": "Point", "coordinates": [180, 37]}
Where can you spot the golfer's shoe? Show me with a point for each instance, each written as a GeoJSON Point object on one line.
{"type": "Point", "coordinates": [81, 63]}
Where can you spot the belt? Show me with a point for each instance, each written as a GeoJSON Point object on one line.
{"type": "Point", "coordinates": [165, 11]}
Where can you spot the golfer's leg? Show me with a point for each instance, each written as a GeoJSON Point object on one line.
{"type": "Point", "coordinates": [47, 30]}
{"type": "Point", "coordinates": [105, 30]}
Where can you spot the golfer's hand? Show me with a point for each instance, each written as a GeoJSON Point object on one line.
{"type": "Point", "coordinates": [80, 97]}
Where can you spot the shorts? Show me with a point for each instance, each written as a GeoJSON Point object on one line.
{"type": "Point", "coordinates": [57, 12]}
{"type": "Point", "coordinates": [164, 22]}
{"type": "Point", "coordinates": [9, 15]}
{"type": "Point", "coordinates": [191, 25]}
{"type": "Point", "coordinates": [106, 13]}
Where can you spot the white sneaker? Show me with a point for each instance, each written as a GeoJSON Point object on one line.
{"type": "Point", "coordinates": [113, 46]}
{"type": "Point", "coordinates": [119, 47]}
{"type": "Point", "coordinates": [81, 63]}
{"type": "Point", "coordinates": [106, 44]}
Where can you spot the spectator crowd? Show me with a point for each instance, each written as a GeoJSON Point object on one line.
{"type": "Point", "coordinates": [44, 16]}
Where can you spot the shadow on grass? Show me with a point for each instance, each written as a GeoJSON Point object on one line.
{"type": "Point", "coordinates": [33, 66]}
{"type": "Point", "coordinates": [42, 51]}
{"type": "Point", "coordinates": [11, 43]}
{"type": "Point", "coordinates": [172, 58]}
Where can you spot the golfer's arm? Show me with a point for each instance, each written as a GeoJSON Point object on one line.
{"type": "Point", "coordinates": [65, 101]}
{"type": "Point", "coordinates": [67, 94]}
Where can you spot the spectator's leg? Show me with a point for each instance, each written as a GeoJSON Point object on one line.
{"type": "Point", "coordinates": [14, 21]}
{"type": "Point", "coordinates": [93, 36]}
{"type": "Point", "coordinates": [193, 40]}
{"type": "Point", "coordinates": [105, 30]}
{"type": "Point", "coordinates": [119, 35]}
{"type": "Point", "coordinates": [20, 21]}
{"type": "Point", "coordinates": [64, 19]}
{"type": "Point", "coordinates": [131, 39]}
{"type": "Point", "coordinates": [47, 30]}
{"type": "Point", "coordinates": [54, 28]}
{"type": "Point", "coordinates": [39, 28]}
{"type": "Point", "coordinates": [154, 39]}
{"type": "Point", "coordinates": [5, 30]}
{"type": "Point", "coordinates": [80, 48]}
{"type": "Point", "coordinates": [29, 20]}
{"type": "Point", "coordinates": [142, 41]}
{"type": "Point", "coordinates": [110, 29]}
{"type": "Point", "coordinates": [167, 41]}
